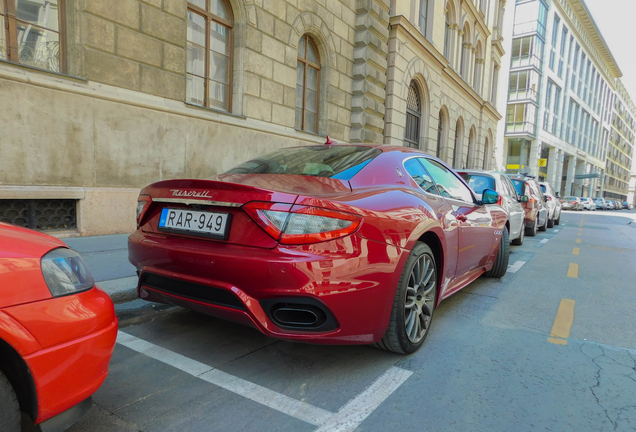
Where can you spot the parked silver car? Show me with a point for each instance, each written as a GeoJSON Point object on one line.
{"type": "Point", "coordinates": [553, 204]}
{"type": "Point", "coordinates": [588, 204]}
{"type": "Point", "coordinates": [601, 204]}
{"type": "Point", "coordinates": [571, 203]}
{"type": "Point", "coordinates": [479, 180]}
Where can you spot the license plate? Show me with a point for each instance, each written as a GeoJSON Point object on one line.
{"type": "Point", "coordinates": [192, 222]}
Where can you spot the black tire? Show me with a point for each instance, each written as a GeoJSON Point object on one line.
{"type": "Point", "coordinates": [421, 266]}
{"type": "Point", "coordinates": [9, 407]}
{"type": "Point", "coordinates": [519, 240]}
{"type": "Point", "coordinates": [550, 223]}
{"type": "Point", "coordinates": [503, 256]}
{"type": "Point", "coordinates": [532, 231]}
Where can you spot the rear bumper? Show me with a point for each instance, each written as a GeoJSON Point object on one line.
{"type": "Point", "coordinates": [352, 279]}
{"type": "Point", "coordinates": [68, 418]}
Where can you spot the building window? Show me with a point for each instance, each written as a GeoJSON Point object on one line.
{"type": "Point", "coordinates": [209, 67]}
{"type": "Point", "coordinates": [486, 166]}
{"type": "Point", "coordinates": [440, 133]}
{"type": "Point", "coordinates": [447, 36]}
{"type": "Point", "coordinates": [31, 33]}
{"type": "Point", "coordinates": [413, 117]}
{"type": "Point", "coordinates": [493, 87]}
{"type": "Point", "coordinates": [423, 15]}
{"type": "Point", "coordinates": [307, 82]}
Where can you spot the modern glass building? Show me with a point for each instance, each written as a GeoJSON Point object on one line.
{"type": "Point", "coordinates": [561, 94]}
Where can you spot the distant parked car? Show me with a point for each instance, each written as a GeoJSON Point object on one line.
{"type": "Point", "coordinates": [610, 205]}
{"type": "Point", "coordinates": [588, 204]}
{"type": "Point", "coordinates": [552, 202]}
{"type": "Point", "coordinates": [571, 203]}
{"type": "Point", "coordinates": [533, 203]}
{"type": "Point", "coordinates": [617, 205]}
{"type": "Point", "coordinates": [627, 205]}
{"type": "Point", "coordinates": [480, 180]}
{"type": "Point", "coordinates": [600, 203]}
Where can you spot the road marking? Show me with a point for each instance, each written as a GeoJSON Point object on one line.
{"type": "Point", "coordinates": [544, 241]}
{"type": "Point", "coordinates": [562, 323]}
{"type": "Point", "coordinates": [578, 240]}
{"type": "Point", "coordinates": [349, 417]}
{"type": "Point", "coordinates": [579, 233]}
{"type": "Point", "coordinates": [514, 268]}
{"type": "Point", "coordinates": [576, 251]}
{"type": "Point", "coordinates": [573, 271]}
{"type": "Point", "coordinates": [262, 395]}
{"type": "Point", "coordinates": [555, 231]}
{"type": "Point", "coordinates": [346, 419]}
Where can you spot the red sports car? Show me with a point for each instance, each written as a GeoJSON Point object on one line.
{"type": "Point", "coordinates": [339, 244]}
{"type": "Point", "coordinates": [57, 331]}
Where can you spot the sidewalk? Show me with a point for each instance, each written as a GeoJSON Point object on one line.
{"type": "Point", "coordinates": [107, 257]}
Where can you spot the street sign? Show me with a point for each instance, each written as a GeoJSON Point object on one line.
{"type": "Point", "coordinates": [587, 176]}
{"type": "Point", "coordinates": [543, 162]}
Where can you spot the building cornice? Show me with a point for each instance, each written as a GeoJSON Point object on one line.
{"type": "Point", "coordinates": [583, 23]}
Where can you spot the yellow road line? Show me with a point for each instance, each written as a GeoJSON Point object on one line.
{"type": "Point", "coordinates": [573, 271]}
{"type": "Point", "coordinates": [562, 323]}
{"type": "Point", "coordinates": [578, 240]}
{"type": "Point", "coordinates": [576, 251]}
{"type": "Point", "coordinates": [579, 233]}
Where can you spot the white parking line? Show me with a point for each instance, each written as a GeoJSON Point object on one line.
{"type": "Point", "coordinates": [514, 268]}
{"type": "Point", "coordinates": [556, 231]}
{"type": "Point", "coordinates": [544, 241]}
{"type": "Point", "coordinates": [352, 414]}
{"type": "Point", "coordinates": [346, 419]}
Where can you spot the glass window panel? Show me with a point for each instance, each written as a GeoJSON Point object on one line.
{"type": "Point", "coordinates": [196, 59]}
{"type": "Point", "coordinates": [300, 74]}
{"type": "Point", "coordinates": [310, 122]}
{"type": "Point", "coordinates": [200, 3]}
{"type": "Point", "coordinates": [41, 13]}
{"type": "Point", "coordinates": [219, 70]}
{"type": "Point", "coordinates": [218, 39]}
{"type": "Point", "coordinates": [195, 91]}
{"type": "Point", "coordinates": [311, 101]}
{"type": "Point", "coordinates": [421, 177]}
{"type": "Point", "coordinates": [196, 28]}
{"type": "Point", "coordinates": [39, 47]}
{"type": "Point", "coordinates": [219, 97]}
{"type": "Point", "coordinates": [3, 48]}
{"type": "Point", "coordinates": [299, 118]}
{"type": "Point", "coordinates": [299, 96]}
{"type": "Point", "coordinates": [312, 54]}
{"type": "Point", "coordinates": [312, 78]}
{"type": "Point", "coordinates": [447, 183]}
{"type": "Point", "coordinates": [301, 47]}
{"type": "Point", "coordinates": [220, 9]}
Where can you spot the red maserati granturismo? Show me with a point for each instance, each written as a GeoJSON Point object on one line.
{"type": "Point", "coordinates": [338, 244]}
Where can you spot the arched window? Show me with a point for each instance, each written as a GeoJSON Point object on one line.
{"type": "Point", "coordinates": [209, 64]}
{"type": "Point", "coordinates": [479, 69]}
{"type": "Point", "coordinates": [471, 147]}
{"type": "Point", "coordinates": [486, 154]}
{"type": "Point", "coordinates": [413, 117]}
{"type": "Point", "coordinates": [440, 133]}
{"type": "Point", "coordinates": [459, 134]}
{"type": "Point", "coordinates": [307, 83]}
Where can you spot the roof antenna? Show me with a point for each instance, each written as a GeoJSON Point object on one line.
{"type": "Point", "coordinates": [329, 141]}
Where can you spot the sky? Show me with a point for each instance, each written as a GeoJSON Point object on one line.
{"type": "Point", "coordinates": [615, 19]}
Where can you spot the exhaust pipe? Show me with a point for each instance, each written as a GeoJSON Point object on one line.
{"type": "Point", "coordinates": [299, 313]}
{"type": "Point", "coordinates": [291, 316]}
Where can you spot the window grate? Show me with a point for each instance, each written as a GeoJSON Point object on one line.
{"type": "Point", "coordinates": [41, 214]}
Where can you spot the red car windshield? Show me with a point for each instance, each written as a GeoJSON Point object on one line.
{"type": "Point", "coordinates": [339, 162]}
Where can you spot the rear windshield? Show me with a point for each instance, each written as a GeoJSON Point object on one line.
{"type": "Point", "coordinates": [478, 182]}
{"type": "Point", "coordinates": [339, 162]}
{"type": "Point", "coordinates": [518, 185]}
{"type": "Point", "coordinates": [543, 188]}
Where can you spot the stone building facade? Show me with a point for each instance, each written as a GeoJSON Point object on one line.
{"type": "Point", "coordinates": [442, 75]}
{"type": "Point", "coordinates": [104, 97]}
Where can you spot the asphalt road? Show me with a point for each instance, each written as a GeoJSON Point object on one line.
{"type": "Point", "coordinates": [551, 346]}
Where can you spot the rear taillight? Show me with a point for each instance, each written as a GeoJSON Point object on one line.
{"type": "Point", "coordinates": [143, 202]}
{"type": "Point", "coordinates": [301, 224]}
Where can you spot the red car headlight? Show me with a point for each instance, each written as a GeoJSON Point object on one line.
{"type": "Point", "coordinates": [302, 224]}
{"type": "Point", "coordinates": [65, 272]}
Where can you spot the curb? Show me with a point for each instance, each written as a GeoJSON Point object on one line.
{"type": "Point", "coordinates": [120, 290]}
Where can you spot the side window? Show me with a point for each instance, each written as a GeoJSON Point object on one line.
{"type": "Point", "coordinates": [419, 174]}
{"type": "Point", "coordinates": [447, 182]}
{"type": "Point", "coordinates": [511, 189]}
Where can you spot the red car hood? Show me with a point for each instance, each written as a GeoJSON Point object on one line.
{"type": "Point", "coordinates": [17, 242]}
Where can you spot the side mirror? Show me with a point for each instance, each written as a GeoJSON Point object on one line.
{"type": "Point", "coordinates": [546, 198]}
{"type": "Point", "coordinates": [489, 196]}
{"type": "Point", "coordinates": [524, 198]}
{"type": "Point", "coordinates": [557, 195]}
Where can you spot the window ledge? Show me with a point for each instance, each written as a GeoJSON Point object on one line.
{"type": "Point", "coordinates": [217, 111]}
{"type": "Point", "coordinates": [46, 71]}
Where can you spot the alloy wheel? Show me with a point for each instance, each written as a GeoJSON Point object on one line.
{"type": "Point", "coordinates": [420, 298]}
